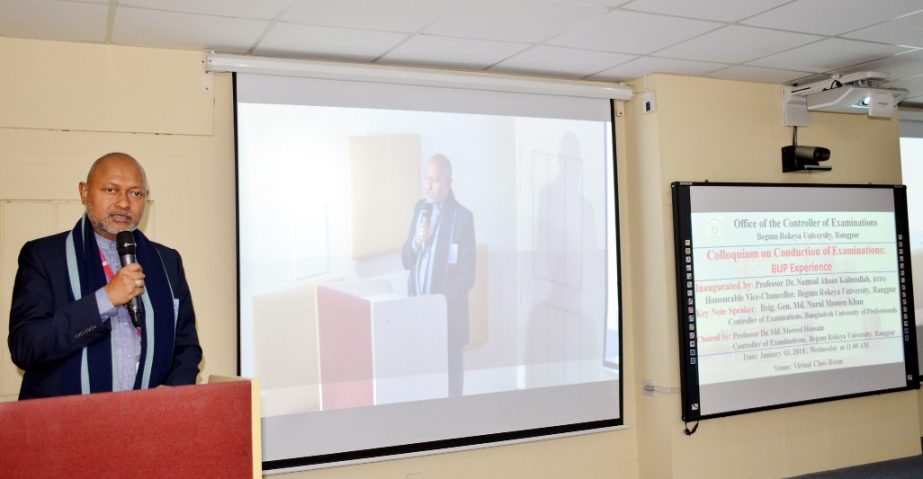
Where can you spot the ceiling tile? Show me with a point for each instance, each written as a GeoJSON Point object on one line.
{"type": "Point", "coordinates": [575, 36]}
{"type": "Point", "coordinates": [53, 20]}
{"type": "Point", "coordinates": [264, 9]}
{"type": "Point", "coordinates": [827, 55]}
{"type": "Point", "coordinates": [514, 20]}
{"type": "Point", "coordinates": [914, 84]}
{"type": "Point", "coordinates": [833, 17]}
{"type": "Point", "coordinates": [326, 42]}
{"type": "Point", "coordinates": [629, 32]}
{"type": "Point", "coordinates": [645, 65]}
{"type": "Point", "coordinates": [558, 61]}
{"type": "Point", "coordinates": [604, 3]}
{"type": "Point", "coordinates": [450, 52]}
{"type": "Point", "coordinates": [721, 10]}
{"type": "Point", "coordinates": [903, 31]}
{"type": "Point", "coordinates": [154, 28]}
{"type": "Point", "coordinates": [756, 74]}
{"type": "Point", "coordinates": [897, 66]}
{"type": "Point", "coordinates": [736, 44]}
{"type": "Point", "coordinates": [390, 15]}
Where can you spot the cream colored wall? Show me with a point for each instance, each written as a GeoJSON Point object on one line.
{"type": "Point", "coordinates": [64, 104]}
{"type": "Point", "coordinates": [717, 130]}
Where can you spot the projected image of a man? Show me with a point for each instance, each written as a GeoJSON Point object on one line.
{"type": "Point", "coordinates": [437, 180]}
{"type": "Point", "coordinates": [440, 255]}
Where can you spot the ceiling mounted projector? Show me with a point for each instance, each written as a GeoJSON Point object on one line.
{"type": "Point", "coordinates": [850, 93]}
{"type": "Point", "coordinates": [857, 99]}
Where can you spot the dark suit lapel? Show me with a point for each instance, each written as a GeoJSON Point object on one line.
{"type": "Point", "coordinates": [441, 258]}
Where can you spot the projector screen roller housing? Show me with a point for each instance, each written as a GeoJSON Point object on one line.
{"type": "Point", "coordinates": [424, 268]}
{"type": "Point", "coordinates": [789, 294]}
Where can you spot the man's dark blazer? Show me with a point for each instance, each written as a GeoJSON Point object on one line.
{"type": "Point", "coordinates": [47, 328]}
{"type": "Point", "coordinates": [452, 280]}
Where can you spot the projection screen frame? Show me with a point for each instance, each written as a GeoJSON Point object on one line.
{"type": "Point", "coordinates": [487, 440]}
{"type": "Point", "coordinates": [418, 76]}
{"type": "Point", "coordinates": [687, 303]}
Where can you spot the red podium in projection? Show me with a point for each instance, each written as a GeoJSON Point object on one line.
{"type": "Point", "coordinates": [379, 348]}
{"type": "Point", "coordinates": [187, 431]}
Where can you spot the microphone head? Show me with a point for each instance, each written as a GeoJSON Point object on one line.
{"type": "Point", "coordinates": [125, 243]}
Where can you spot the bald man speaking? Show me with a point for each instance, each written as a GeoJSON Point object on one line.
{"type": "Point", "coordinates": [70, 327]}
{"type": "Point", "coordinates": [439, 253]}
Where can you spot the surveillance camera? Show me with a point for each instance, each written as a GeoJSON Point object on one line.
{"type": "Point", "coordinates": [811, 153]}
{"type": "Point", "coordinates": [804, 158]}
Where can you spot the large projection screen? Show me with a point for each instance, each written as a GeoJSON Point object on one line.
{"type": "Point", "coordinates": [790, 294]}
{"type": "Point", "coordinates": [424, 268]}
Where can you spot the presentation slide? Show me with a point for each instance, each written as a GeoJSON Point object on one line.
{"type": "Point", "coordinates": [427, 258]}
{"type": "Point", "coordinates": [912, 174]}
{"type": "Point", "coordinates": [792, 294]}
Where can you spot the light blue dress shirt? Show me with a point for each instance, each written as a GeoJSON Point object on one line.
{"type": "Point", "coordinates": [126, 339]}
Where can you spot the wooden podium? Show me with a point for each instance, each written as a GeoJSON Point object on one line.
{"type": "Point", "coordinates": [208, 430]}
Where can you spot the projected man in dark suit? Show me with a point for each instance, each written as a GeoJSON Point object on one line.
{"type": "Point", "coordinates": [440, 254]}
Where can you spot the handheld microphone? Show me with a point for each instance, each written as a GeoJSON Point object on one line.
{"type": "Point", "coordinates": [426, 213]}
{"type": "Point", "coordinates": [127, 248]}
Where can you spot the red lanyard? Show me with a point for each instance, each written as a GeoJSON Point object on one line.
{"type": "Point", "coordinates": [109, 274]}
{"type": "Point", "coordinates": [106, 268]}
